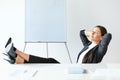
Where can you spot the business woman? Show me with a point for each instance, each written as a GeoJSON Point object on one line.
{"type": "Point", "coordinates": [95, 44]}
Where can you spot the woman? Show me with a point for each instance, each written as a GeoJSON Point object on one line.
{"type": "Point", "coordinates": [95, 44]}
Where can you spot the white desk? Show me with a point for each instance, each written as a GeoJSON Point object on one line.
{"type": "Point", "coordinates": [59, 72]}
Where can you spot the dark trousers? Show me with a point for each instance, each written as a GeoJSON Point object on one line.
{"type": "Point", "coordinates": [36, 59]}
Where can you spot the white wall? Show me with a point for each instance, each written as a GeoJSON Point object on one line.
{"type": "Point", "coordinates": [11, 23]}
{"type": "Point", "coordinates": [81, 14]}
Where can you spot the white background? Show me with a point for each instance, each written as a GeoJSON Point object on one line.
{"type": "Point", "coordinates": [81, 14]}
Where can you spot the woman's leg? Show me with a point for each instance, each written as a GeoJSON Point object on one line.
{"type": "Point", "coordinates": [22, 55]}
{"type": "Point", "coordinates": [18, 56]}
{"type": "Point", "coordinates": [26, 58]}
{"type": "Point", "coordinates": [19, 60]}
{"type": "Point", "coordinates": [36, 59]}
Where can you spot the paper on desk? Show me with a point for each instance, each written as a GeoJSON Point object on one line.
{"type": "Point", "coordinates": [11, 74]}
{"type": "Point", "coordinates": [16, 72]}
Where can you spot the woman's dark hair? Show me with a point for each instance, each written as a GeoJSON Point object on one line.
{"type": "Point", "coordinates": [102, 29]}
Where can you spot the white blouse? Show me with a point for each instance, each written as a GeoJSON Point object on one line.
{"type": "Point", "coordinates": [86, 51]}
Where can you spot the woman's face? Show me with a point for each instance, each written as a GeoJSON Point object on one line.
{"type": "Point", "coordinates": [96, 35]}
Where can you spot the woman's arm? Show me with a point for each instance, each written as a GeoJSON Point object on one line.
{"type": "Point", "coordinates": [84, 37]}
{"type": "Point", "coordinates": [104, 43]}
{"type": "Point", "coordinates": [101, 50]}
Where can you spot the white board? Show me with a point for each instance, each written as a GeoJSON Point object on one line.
{"type": "Point", "coordinates": [45, 21]}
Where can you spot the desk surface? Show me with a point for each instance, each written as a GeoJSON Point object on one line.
{"type": "Point", "coordinates": [60, 72]}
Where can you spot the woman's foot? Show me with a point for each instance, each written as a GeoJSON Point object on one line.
{"type": "Point", "coordinates": [8, 42]}
{"type": "Point", "coordinates": [10, 49]}
{"type": "Point", "coordinates": [10, 60]}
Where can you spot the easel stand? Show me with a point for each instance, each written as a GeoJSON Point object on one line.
{"type": "Point", "coordinates": [48, 51]}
